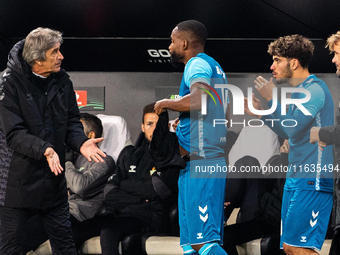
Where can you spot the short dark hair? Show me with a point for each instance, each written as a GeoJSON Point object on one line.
{"type": "Point", "coordinates": [92, 123]}
{"type": "Point", "coordinates": [293, 46]}
{"type": "Point", "coordinates": [150, 108]}
{"type": "Point", "coordinates": [195, 28]}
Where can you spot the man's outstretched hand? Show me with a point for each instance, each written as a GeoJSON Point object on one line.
{"type": "Point", "coordinates": [53, 161]}
{"type": "Point", "coordinates": [90, 150]}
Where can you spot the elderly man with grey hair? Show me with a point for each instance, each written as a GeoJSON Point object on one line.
{"type": "Point", "coordinates": [38, 116]}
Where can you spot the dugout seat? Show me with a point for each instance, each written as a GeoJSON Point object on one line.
{"type": "Point", "coordinates": [258, 142]}
{"type": "Point", "coordinates": [166, 242]}
{"type": "Point", "coordinates": [116, 134]}
{"type": "Point", "coordinates": [169, 245]}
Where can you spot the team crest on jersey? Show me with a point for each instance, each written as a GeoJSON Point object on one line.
{"type": "Point", "coordinates": [152, 170]}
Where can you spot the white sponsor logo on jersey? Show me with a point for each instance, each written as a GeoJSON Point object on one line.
{"type": "Point", "coordinates": [132, 169]}
{"type": "Point", "coordinates": [199, 235]}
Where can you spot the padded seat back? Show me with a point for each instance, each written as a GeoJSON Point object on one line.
{"type": "Point", "coordinates": [258, 142]}
{"type": "Point", "coordinates": [116, 135]}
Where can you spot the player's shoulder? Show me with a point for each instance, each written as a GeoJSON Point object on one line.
{"type": "Point", "coordinates": [198, 61]}
{"type": "Point", "coordinates": [314, 82]}
{"type": "Point", "coordinates": [108, 160]}
{"type": "Point", "coordinates": [126, 152]}
{"type": "Point", "coordinates": [317, 93]}
{"type": "Point", "coordinates": [198, 65]}
{"type": "Point", "coordinates": [315, 85]}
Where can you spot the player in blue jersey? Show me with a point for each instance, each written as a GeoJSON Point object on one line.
{"type": "Point", "coordinates": [307, 199]}
{"type": "Point", "coordinates": [201, 101]}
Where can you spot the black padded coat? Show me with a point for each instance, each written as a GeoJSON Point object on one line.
{"type": "Point", "coordinates": [146, 177]}
{"type": "Point", "coordinates": [331, 135]}
{"type": "Point", "coordinates": [35, 114]}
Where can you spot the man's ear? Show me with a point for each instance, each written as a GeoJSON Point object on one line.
{"type": "Point", "coordinates": [185, 44]}
{"type": "Point", "coordinates": [38, 62]}
{"type": "Point", "coordinates": [91, 135]}
{"type": "Point", "coordinates": [142, 126]}
{"type": "Point", "coordinates": [294, 64]}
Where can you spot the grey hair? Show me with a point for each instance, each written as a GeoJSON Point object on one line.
{"type": "Point", "coordinates": [38, 41]}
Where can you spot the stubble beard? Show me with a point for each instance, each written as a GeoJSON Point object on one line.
{"type": "Point", "coordinates": [286, 75]}
{"type": "Point", "coordinates": [338, 70]}
{"type": "Point", "coordinates": [175, 59]}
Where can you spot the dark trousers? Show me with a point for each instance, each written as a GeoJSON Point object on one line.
{"type": "Point", "coordinates": [247, 191]}
{"type": "Point", "coordinates": [81, 231]}
{"type": "Point", "coordinates": [335, 247]}
{"type": "Point", "coordinates": [243, 232]}
{"type": "Point", "coordinates": [87, 229]}
{"type": "Point", "coordinates": [116, 230]}
{"type": "Point", "coordinates": [35, 232]}
{"type": "Point", "coordinates": [55, 221]}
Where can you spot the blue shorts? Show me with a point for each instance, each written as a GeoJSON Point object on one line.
{"type": "Point", "coordinates": [200, 205]}
{"type": "Point", "coordinates": [305, 216]}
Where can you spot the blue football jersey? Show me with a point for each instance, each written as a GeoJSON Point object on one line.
{"type": "Point", "coordinates": [309, 167]}
{"type": "Point", "coordinates": [197, 131]}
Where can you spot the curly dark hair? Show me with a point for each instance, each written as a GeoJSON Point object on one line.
{"type": "Point", "coordinates": [293, 46]}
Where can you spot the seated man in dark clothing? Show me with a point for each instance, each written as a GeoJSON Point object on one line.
{"type": "Point", "coordinates": [85, 181]}
{"type": "Point", "coordinates": [260, 201]}
{"type": "Point", "coordinates": [144, 181]}
{"type": "Point", "coordinates": [245, 190]}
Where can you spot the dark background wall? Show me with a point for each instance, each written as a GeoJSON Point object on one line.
{"type": "Point", "coordinates": [122, 44]}
{"type": "Point", "coordinates": [115, 35]}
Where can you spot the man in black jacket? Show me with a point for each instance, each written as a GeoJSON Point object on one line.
{"type": "Point", "coordinates": [331, 135]}
{"type": "Point", "coordinates": [85, 181]}
{"type": "Point", "coordinates": [145, 180]}
{"type": "Point", "coordinates": [38, 115]}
